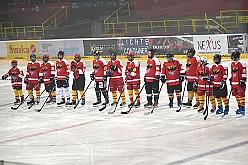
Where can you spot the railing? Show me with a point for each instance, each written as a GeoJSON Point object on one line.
{"type": "Point", "coordinates": [114, 17]}
{"type": "Point", "coordinates": [164, 25]}
{"type": "Point", "coordinates": [34, 31]}
{"type": "Point", "coordinates": [233, 18]}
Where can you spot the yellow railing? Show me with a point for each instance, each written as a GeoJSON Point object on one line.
{"type": "Point", "coordinates": [164, 26]}
{"type": "Point", "coordinates": [53, 19]}
{"type": "Point", "coordinates": [233, 18]}
{"type": "Point", "coordinates": [33, 30]}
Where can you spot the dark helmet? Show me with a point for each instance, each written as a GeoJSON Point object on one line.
{"type": "Point", "coordinates": [113, 53]}
{"type": "Point", "coordinates": [151, 50]}
{"type": "Point", "coordinates": [218, 56]}
{"type": "Point", "coordinates": [235, 55]}
{"type": "Point", "coordinates": [191, 50]}
{"type": "Point", "coordinates": [170, 55]}
{"type": "Point", "coordinates": [32, 55]}
{"type": "Point", "coordinates": [96, 52]}
{"type": "Point", "coordinates": [62, 53]}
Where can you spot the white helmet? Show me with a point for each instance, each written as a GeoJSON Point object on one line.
{"type": "Point", "coordinates": [204, 59]}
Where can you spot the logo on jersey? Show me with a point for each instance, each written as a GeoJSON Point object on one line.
{"type": "Point", "coordinates": [188, 64]}
{"type": "Point", "coordinates": [59, 66]}
{"type": "Point", "coordinates": [13, 73]}
{"type": "Point", "coordinates": [216, 71]}
{"type": "Point", "coordinates": [171, 67]}
{"type": "Point", "coordinates": [235, 69]}
{"type": "Point", "coordinates": [32, 68]}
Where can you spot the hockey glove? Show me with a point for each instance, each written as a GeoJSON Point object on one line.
{"type": "Point", "coordinates": [40, 80]}
{"type": "Point", "coordinates": [104, 78]}
{"type": "Point", "coordinates": [67, 78]}
{"type": "Point", "coordinates": [241, 83]}
{"type": "Point", "coordinates": [109, 74]}
{"type": "Point", "coordinates": [113, 67]}
{"type": "Point", "coordinates": [163, 80]}
{"type": "Point", "coordinates": [26, 80]}
{"type": "Point", "coordinates": [52, 78]}
{"type": "Point", "coordinates": [92, 77]}
{"type": "Point", "coordinates": [195, 84]}
{"type": "Point", "coordinates": [222, 84]}
{"type": "Point", "coordinates": [4, 77]}
{"type": "Point", "coordinates": [210, 80]}
{"type": "Point", "coordinates": [205, 78]}
{"type": "Point", "coordinates": [182, 78]}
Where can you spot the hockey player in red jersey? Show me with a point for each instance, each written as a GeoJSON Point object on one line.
{"type": "Point", "coordinates": [99, 67]}
{"type": "Point", "coordinates": [132, 73]}
{"type": "Point", "coordinates": [152, 76]}
{"type": "Point", "coordinates": [220, 73]}
{"type": "Point", "coordinates": [204, 84]}
{"type": "Point", "coordinates": [173, 74]}
{"type": "Point", "coordinates": [16, 75]}
{"type": "Point", "coordinates": [114, 71]}
{"type": "Point", "coordinates": [78, 68]}
{"type": "Point", "coordinates": [238, 81]}
{"type": "Point", "coordinates": [33, 79]}
{"type": "Point", "coordinates": [63, 72]}
{"type": "Point", "coordinates": [48, 77]}
{"type": "Point", "coordinates": [191, 65]}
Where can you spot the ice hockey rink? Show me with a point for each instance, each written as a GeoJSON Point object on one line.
{"type": "Point", "coordinates": [85, 136]}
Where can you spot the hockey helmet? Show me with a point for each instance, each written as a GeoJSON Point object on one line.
{"type": "Point", "coordinates": [170, 55]}
{"type": "Point", "coordinates": [77, 56]}
{"type": "Point", "coordinates": [217, 56]}
{"type": "Point", "coordinates": [32, 55]}
{"type": "Point", "coordinates": [192, 51]}
{"type": "Point", "coordinates": [96, 52]}
{"type": "Point", "coordinates": [151, 50]}
{"type": "Point", "coordinates": [45, 56]}
{"type": "Point", "coordinates": [113, 53]}
{"type": "Point", "coordinates": [61, 52]}
{"type": "Point", "coordinates": [130, 54]}
{"type": "Point", "coordinates": [235, 55]}
{"type": "Point", "coordinates": [204, 60]}
{"type": "Point", "coordinates": [14, 62]}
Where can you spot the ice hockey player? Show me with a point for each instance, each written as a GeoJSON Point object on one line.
{"type": "Point", "coordinates": [191, 66]}
{"type": "Point", "coordinates": [114, 71]}
{"type": "Point", "coordinates": [151, 79]}
{"type": "Point", "coordinates": [63, 72]}
{"type": "Point", "coordinates": [78, 68]}
{"type": "Point", "coordinates": [132, 73]}
{"type": "Point", "coordinates": [238, 81]}
{"type": "Point", "coordinates": [204, 84]}
{"type": "Point", "coordinates": [48, 77]}
{"type": "Point", "coordinates": [33, 79]}
{"type": "Point", "coordinates": [220, 73]}
{"type": "Point", "coordinates": [173, 74]}
{"type": "Point", "coordinates": [16, 75]}
{"type": "Point", "coordinates": [99, 67]}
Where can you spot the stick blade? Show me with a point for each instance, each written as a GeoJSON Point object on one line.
{"type": "Point", "coordinates": [147, 113]}
{"type": "Point", "coordinates": [205, 118]}
{"type": "Point", "coordinates": [179, 109]}
{"type": "Point", "coordinates": [111, 112]}
{"type": "Point", "coordinates": [125, 112]}
{"type": "Point", "coordinates": [38, 110]}
{"type": "Point", "coordinates": [101, 109]}
{"type": "Point", "coordinates": [14, 108]}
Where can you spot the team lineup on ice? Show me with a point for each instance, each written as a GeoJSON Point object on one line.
{"type": "Point", "coordinates": [173, 89]}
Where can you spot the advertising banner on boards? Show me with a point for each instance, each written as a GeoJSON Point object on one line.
{"type": "Point", "coordinates": [3, 49]}
{"type": "Point", "coordinates": [52, 47]}
{"type": "Point", "coordinates": [235, 43]}
{"type": "Point", "coordinates": [210, 44]}
{"type": "Point", "coordinates": [21, 49]}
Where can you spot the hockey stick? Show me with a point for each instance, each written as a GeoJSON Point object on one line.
{"type": "Point", "coordinates": [82, 95]}
{"type": "Point", "coordinates": [147, 113]}
{"type": "Point", "coordinates": [126, 112]}
{"type": "Point", "coordinates": [15, 108]}
{"type": "Point", "coordinates": [228, 102]}
{"type": "Point", "coordinates": [123, 88]}
{"type": "Point", "coordinates": [39, 110]}
{"type": "Point", "coordinates": [185, 84]}
{"type": "Point", "coordinates": [207, 103]}
{"type": "Point", "coordinates": [41, 93]}
{"type": "Point", "coordinates": [105, 106]}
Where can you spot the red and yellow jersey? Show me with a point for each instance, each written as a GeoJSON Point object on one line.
{"type": "Point", "coordinates": [78, 68]}
{"type": "Point", "coordinates": [33, 71]}
{"type": "Point", "coordinates": [238, 72]}
{"type": "Point", "coordinates": [203, 72]}
{"type": "Point", "coordinates": [16, 75]}
{"type": "Point", "coordinates": [191, 66]}
{"type": "Point", "coordinates": [118, 72]}
{"type": "Point", "coordinates": [62, 68]}
{"type": "Point", "coordinates": [99, 67]}
{"type": "Point", "coordinates": [172, 71]}
{"type": "Point", "coordinates": [132, 72]}
{"type": "Point", "coordinates": [47, 70]}
{"type": "Point", "coordinates": [153, 69]}
{"type": "Point", "coordinates": [219, 73]}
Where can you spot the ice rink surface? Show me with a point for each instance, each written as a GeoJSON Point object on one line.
{"type": "Point", "coordinates": [85, 136]}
